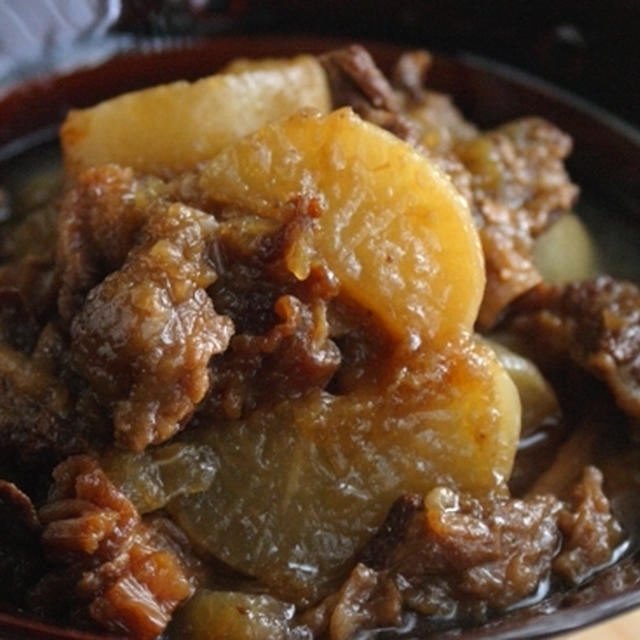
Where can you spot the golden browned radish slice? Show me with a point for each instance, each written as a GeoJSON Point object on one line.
{"type": "Point", "coordinates": [172, 127]}
{"type": "Point", "coordinates": [391, 226]}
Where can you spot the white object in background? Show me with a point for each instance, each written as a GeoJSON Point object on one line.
{"type": "Point", "coordinates": [30, 29]}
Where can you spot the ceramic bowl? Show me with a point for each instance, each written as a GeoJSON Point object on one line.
{"type": "Point", "coordinates": [605, 162]}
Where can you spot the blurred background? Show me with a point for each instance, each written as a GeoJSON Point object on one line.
{"type": "Point", "coordinates": [589, 47]}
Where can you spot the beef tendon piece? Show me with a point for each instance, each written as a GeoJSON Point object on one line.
{"type": "Point", "coordinates": [595, 324]}
{"type": "Point", "coordinates": [128, 584]}
{"type": "Point", "coordinates": [519, 185]}
{"type": "Point", "coordinates": [146, 334]}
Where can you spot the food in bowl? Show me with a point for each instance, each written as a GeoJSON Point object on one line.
{"type": "Point", "coordinates": [292, 351]}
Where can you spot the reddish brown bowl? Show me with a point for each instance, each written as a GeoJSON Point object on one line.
{"type": "Point", "coordinates": [605, 162]}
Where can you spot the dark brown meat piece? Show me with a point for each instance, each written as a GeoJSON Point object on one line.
{"type": "Point", "coordinates": [34, 412]}
{"type": "Point", "coordinates": [368, 599]}
{"type": "Point", "coordinates": [46, 413]}
{"type": "Point", "coordinates": [356, 81]}
{"type": "Point", "coordinates": [410, 73]}
{"type": "Point", "coordinates": [595, 324]}
{"type": "Point", "coordinates": [438, 120]}
{"type": "Point", "coordinates": [451, 557]}
{"type": "Point", "coordinates": [19, 327]}
{"type": "Point", "coordinates": [590, 531]}
{"type": "Point", "coordinates": [518, 186]}
{"type": "Point", "coordinates": [393, 531]}
{"type": "Point", "coordinates": [282, 347]}
{"type": "Point", "coordinates": [33, 235]}
{"type": "Point", "coordinates": [353, 74]}
{"type": "Point", "coordinates": [128, 584]}
{"type": "Point", "coordinates": [292, 357]}
{"type": "Point", "coordinates": [146, 333]}
{"type": "Point", "coordinates": [464, 557]}
{"type": "Point", "coordinates": [455, 556]}
{"type": "Point", "coordinates": [99, 220]}
{"type": "Point", "coordinates": [21, 560]}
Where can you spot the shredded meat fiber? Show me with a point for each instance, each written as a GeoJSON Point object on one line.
{"type": "Point", "coordinates": [129, 584]}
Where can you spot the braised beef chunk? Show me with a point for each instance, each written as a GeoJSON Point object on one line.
{"type": "Point", "coordinates": [595, 324]}
{"type": "Point", "coordinates": [353, 75]}
{"type": "Point", "coordinates": [393, 531]}
{"type": "Point", "coordinates": [127, 583]}
{"type": "Point", "coordinates": [368, 599]}
{"type": "Point", "coordinates": [99, 219]}
{"type": "Point", "coordinates": [465, 557]}
{"type": "Point", "coordinates": [454, 556]}
{"type": "Point", "coordinates": [519, 185]}
{"type": "Point", "coordinates": [292, 357]}
{"type": "Point", "coordinates": [144, 336]}
{"type": "Point", "coordinates": [356, 81]}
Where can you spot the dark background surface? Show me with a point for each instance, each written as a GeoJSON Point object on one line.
{"type": "Point", "coordinates": [589, 47]}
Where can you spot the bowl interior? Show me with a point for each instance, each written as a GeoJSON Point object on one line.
{"type": "Point", "coordinates": [605, 161]}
